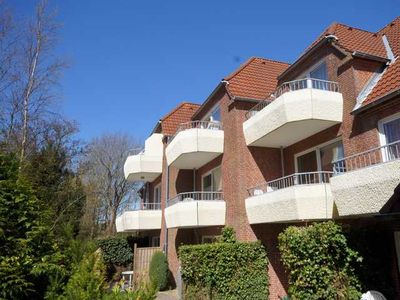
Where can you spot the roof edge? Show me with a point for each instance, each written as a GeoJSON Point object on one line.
{"type": "Point", "coordinates": [327, 39]}
{"type": "Point", "coordinates": [377, 101]}
{"type": "Point", "coordinates": [220, 84]}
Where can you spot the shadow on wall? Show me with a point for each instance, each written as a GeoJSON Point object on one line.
{"type": "Point", "coordinates": [184, 181]}
{"type": "Point", "coordinates": [393, 204]}
{"type": "Point", "coordinates": [268, 235]}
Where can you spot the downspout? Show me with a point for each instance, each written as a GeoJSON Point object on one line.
{"type": "Point", "coordinates": [166, 200]}
{"type": "Point", "coordinates": [282, 163]}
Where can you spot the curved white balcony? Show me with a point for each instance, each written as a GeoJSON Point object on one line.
{"type": "Point", "coordinates": [195, 209]}
{"type": "Point", "coordinates": [148, 217]}
{"type": "Point", "coordinates": [145, 165]}
{"type": "Point", "coordinates": [297, 197]}
{"type": "Point", "coordinates": [195, 144]}
{"type": "Point", "coordinates": [364, 183]}
{"type": "Point", "coordinates": [300, 109]}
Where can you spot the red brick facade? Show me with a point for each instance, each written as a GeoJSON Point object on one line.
{"type": "Point", "coordinates": [244, 167]}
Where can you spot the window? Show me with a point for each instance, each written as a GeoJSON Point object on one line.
{"type": "Point", "coordinates": [157, 196]}
{"type": "Point", "coordinates": [320, 72]}
{"type": "Point", "coordinates": [320, 158]}
{"type": "Point", "coordinates": [212, 181]}
{"type": "Point", "coordinates": [214, 115]}
{"type": "Point", "coordinates": [389, 129]}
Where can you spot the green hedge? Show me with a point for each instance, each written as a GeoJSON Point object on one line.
{"type": "Point", "coordinates": [116, 251]}
{"type": "Point", "coordinates": [319, 262]}
{"type": "Point", "coordinates": [158, 271]}
{"type": "Point", "coordinates": [224, 270]}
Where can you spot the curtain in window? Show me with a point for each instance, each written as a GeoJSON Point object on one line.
{"type": "Point", "coordinates": [392, 134]}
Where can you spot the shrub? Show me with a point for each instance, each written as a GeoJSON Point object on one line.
{"type": "Point", "coordinates": [87, 282]}
{"type": "Point", "coordinates": [143, 292]}
{"type": "Point", "coordinates": [227, 235]}
{"type": "Point", "coordinates": [320, 263]}
{"type": "Point", "coordinates": [232, 270]}
{"type": "Point", "coordinates": [116, 251]}
{"type": "Point", "coordinates": [158, 272]}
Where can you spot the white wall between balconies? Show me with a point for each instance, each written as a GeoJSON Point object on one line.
{"type": "Point", "coordinates": [293, 117]}
{"type": "Point", "coordinates": [146, 166]}
{"type": "Point", "coordinates": [295, 203]}
{"type": "Point", "coordinates": [365, 191]}
{"type": "Point", "coordinates": [193, 148]}
{"type": "Point", "coordinates": [139, 220]}
{"type": "Point", "coordinates": [191, 214]}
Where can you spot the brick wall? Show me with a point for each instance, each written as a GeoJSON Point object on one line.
{"type": "Point", "coordinates": [244, 167]}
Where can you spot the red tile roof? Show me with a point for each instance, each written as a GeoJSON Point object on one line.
{"type": "Point", "coordinates": [354, 39]}
{"type": "Point", "coordinates": [255, 79]}
{"type": "Point", "coordinates": [390, 80]}
{"type": "Point", "coordinates": [180, 114]}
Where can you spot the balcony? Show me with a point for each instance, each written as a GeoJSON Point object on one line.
{"type": "Point", "coordinates": [195, 209]}
{"type": "Point", "coordinates": [363, 183]}
{"type": "Point", "coordinates": [297, 197]}
{"type": "Point", "coordinates": [145, 164]}
{"type": "Point", "coordinates": [298, 110]}
{"type": "Point", "coordinates": [195, 144]}
{"type": "Point", "coordinates": [146, 217]}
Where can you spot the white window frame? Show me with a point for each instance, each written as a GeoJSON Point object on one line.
{"type": "Point", "coordinates": [381, 129]}
{"type": "Point", "coordinates": [306, 74]}
{"type": "Point", "coordinates": [211, 111]}
{"type": "Point", "coordinates": [206, 174]}
{"type": "Point", "coordinates": [318, 153]}
{"type": "Point", "coordinates": [158, 186]}
{"type": "Point", "coordinates": [382, 135]}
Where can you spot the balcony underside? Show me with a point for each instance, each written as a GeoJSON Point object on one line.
{"type": "Point", "coordinates": [139, 220]}
{"type": "Point", "coordinates": [193, 148]}
{"type": "Point", "coordinates": [292, 117]}
{"type": "Point", "coordinates": [366, 191]}
{"type": "Point", "coordinates": [292, 204]}
{"type": "Point", "coordinates": [192, 214]}
{"type": "Point", "coordinates": [142, 168]}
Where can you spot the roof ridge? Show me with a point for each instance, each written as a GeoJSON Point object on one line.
{"type": "Point", "coordinates": [356, 28]}
{"type": "Point", "coordinates": [388, 24]}
{"type": "Point", "coordinates": [241, 67]}
{"type": "Point", "coordinates": [177, 108]}
{"type": "Point", "coordinates": [271, 60]}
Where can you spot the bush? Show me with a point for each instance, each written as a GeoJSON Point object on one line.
{"type": "Point", "coordinates": [144, 292]}
{"type": "Point", "coordinates": [320, 263]}
{"type": "Point", "coordinates": [221, 270]}
{"type": "Point", "coordinates": [158, 272]}
{"type": "Point", "coordinates": [87, 282]}
{"type": "Point", "coordinates": [116, 251]}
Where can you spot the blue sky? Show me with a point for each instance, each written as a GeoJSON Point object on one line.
{"type": "Point", "coordinates": [133, 61]}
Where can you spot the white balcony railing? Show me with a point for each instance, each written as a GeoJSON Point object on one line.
{"type": "Point", "coordinates": [364, 183]}
{"type": "Point", "coordinates": [136, 151]}
{"type": "Point", "coordinates": [378, 155]}
{"type": "Point", "coordinates": [195, 144]}
{"type": "Point", "coordinates": [195, 196]}
{"type": "Point", "coordinates": [212, 125]}
{"type": "Point", "coordinates": [291, 180]}
{"type": "Point", "coordinates": [139, 216]}
{"type": "Point", "coordinates": [295, 85]}
{"type": "Point", "coordinates": [196, 209]}
{"type": "Point", "coordinates": [293, 198]}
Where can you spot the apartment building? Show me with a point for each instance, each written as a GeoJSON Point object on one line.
{"type": "Point", "coordinates": [276, 145]}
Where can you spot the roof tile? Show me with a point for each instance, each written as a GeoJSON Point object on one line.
{"type": "Point", "coordinates": [255, 79]}
{"type": "Point", "coordinates": [180, 114]}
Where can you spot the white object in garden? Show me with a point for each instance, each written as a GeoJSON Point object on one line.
{"type": "Point", "coordinates": [373, 295]}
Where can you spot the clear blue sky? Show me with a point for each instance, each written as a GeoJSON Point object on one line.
{"type": "Point", "coordinates": [134, 60]}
